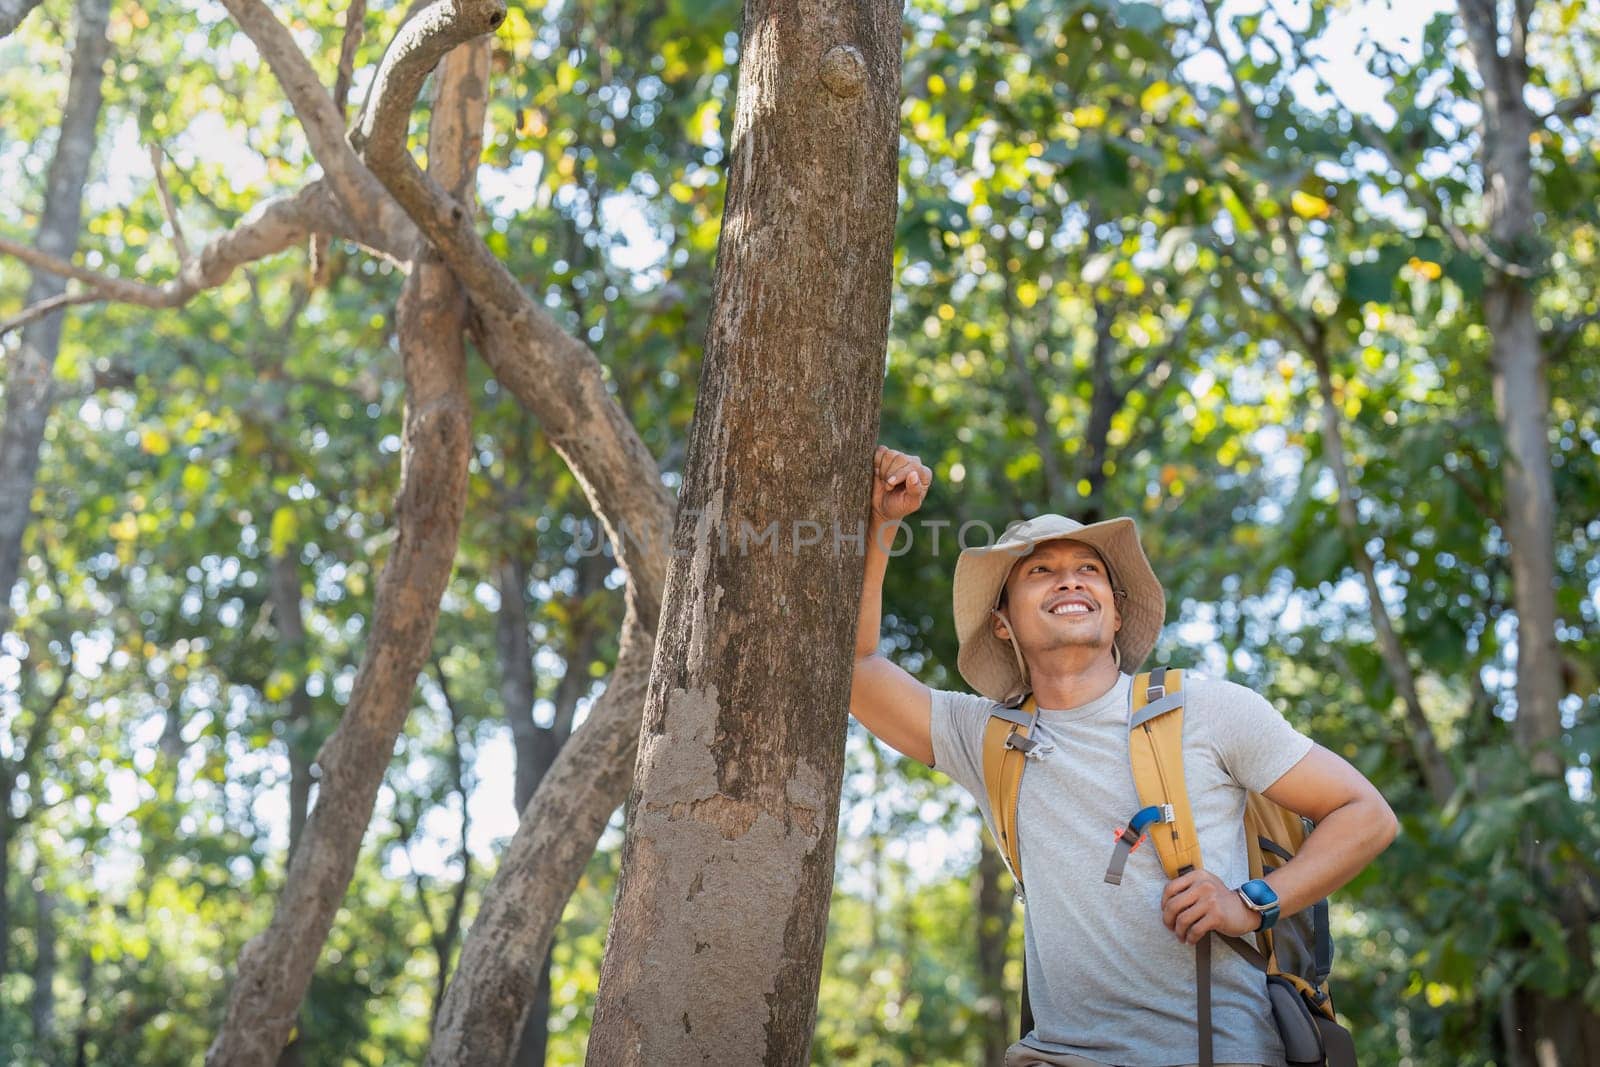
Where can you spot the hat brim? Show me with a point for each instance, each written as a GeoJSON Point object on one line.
{"type": "Point", "coordinates": [987, 662]}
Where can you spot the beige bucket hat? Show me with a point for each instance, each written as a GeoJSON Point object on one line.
{"type": "Point", "coordinates": [989, 664]}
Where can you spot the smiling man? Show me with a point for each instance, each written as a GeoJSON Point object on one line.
{"type": "Point", "coordinates": [1068, 613]}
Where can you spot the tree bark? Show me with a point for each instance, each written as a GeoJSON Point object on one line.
{"type": "Point", "coordinates": [275, 967]}
{"type": "Point", "coordinates": [715, 947]}
{"type": "Point", "coordinates": [30, 371]}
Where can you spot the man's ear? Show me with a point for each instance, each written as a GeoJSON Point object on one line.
{"type": "Point", "coordinates": [998, 625]}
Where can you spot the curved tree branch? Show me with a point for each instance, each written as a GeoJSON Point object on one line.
{"type": "Point", "coordinates": [524, 346]}
{"type": "Point", "coordinates": [273, 226]}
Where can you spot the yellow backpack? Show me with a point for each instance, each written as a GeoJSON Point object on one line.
{"type": "Point", "coordinates": [1296, 955]}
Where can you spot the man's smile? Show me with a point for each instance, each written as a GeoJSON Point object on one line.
{"type": "Point", "coordinates": [1070, 605]}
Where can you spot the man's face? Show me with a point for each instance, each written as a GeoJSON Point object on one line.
{"type": "Point", "coordinates": [1060, 596]}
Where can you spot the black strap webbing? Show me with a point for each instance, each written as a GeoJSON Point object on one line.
{"type": "Point", "coordinates": [1202, 993]}
{"type": "Point", "coordinates": [1324, 939]}
{"type": "Point", "coordinates": [1027, 1008]}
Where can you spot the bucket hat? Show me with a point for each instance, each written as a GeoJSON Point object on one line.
{"type": "Point", "coordinates": [991, 665]}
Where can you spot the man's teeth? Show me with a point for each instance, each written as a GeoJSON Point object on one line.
{"type": "Point", "coordinates": [1070, 609]}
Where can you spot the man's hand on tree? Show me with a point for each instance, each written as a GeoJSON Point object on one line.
{"type": "Point", "coordinates": [899, 483]}
{"type": "Point", "coordinates": [1198, 903]}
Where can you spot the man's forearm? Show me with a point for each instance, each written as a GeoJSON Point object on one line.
{"type": "Point", "coordinates": [869, 620]}
{"type": "Point", "coordinates": [1344, 842]}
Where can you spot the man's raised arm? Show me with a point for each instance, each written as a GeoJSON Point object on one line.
{"type": "Point", "coordinates": [884, 698]}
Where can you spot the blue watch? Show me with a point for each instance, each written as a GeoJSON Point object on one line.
{"type": "Point", "coordinates": [1259, 898]}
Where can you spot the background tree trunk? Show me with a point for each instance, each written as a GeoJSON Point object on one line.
{"type": "Point", "coordinates": [291, 627]}
{"type": "Point", "coordinates": [994, 929]}
{"type": "Point", "coordinates": [44, 965]}
{"type": "Point", "coordinates": [1554, 1031]}
{"type": "Point", "coordinates": [30, 371]}
{"type": "Point", "coordinates": [544, 743]}
{"type": "Point", "coordinates": [715, 945]}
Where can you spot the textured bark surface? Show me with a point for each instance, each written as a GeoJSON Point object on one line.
{"type": "Point", "coordinates": [275, 968]}
{"type": "Point", "coordinates": [715, 946]}
{"type": "Point", "coordinates": [30, 371]}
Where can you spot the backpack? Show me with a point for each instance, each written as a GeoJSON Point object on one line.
{"type": "Point", "coordinates": [1296, 955]}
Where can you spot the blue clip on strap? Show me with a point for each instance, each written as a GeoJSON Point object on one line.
{"type": "Point", "coordinates": [1128, 839]}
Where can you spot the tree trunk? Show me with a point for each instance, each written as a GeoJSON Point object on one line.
{"type": "Point", "coordinates": [30, 371]}
{"type": "Point", "coordinates": [12, 12]}
{"type": "Point", "coordinates": [80, 1057]}
{"type": "Point", "coordinates": [497, 974]}
{"type": "Point", "coordinates": [1556, 1031]}
{"type": "Point", "coordinates": [1437, 774]}
{"type": "Point", "coordinates": [715, 946]}
{"type": "Point", "coordinates": [291, 626]}
{"type": "Point", "coordinates": [276, 967]}
{"type": "Point", "coordinates": [44, 966]}
{"type": "Point", "coordinates": [1521, 391]}
{"type": "Point", "coordinates": [582, 637]}
{"type": "Point", "coordinates": [994, 928]}
{"type": "Point", "coordinates": [516, 674]}
{"type": "Point", "coordinates": [8, 829]}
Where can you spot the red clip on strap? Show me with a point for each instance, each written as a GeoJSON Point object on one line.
{"type": "Point", "coordinates": [1123, 832]}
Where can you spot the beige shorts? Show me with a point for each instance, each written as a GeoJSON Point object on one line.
{"type": "Point", "coordinates": [1020, 1055]}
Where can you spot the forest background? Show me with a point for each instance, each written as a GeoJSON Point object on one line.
{"type": "Point", "coordinates": [1225, 267]}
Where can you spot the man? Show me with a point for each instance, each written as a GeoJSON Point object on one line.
{"type": "Point", "coordinates": [1069, 613]}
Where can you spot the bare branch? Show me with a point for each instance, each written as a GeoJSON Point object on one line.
{"type": "Point", "coordinates": [1559, 339]}
{"type": "Point", "coordinates": [167, 208]}
{"type": "Point", "coordinates": [374, 215]}
{"type": "Point", "coordinates": [1247, 108]}
{"type": "Point", "coordinates": [44, 307]}
{"type": "Point", "coordinates": [273, 226]}
{"type": "Point", "coordinates": [354, 18]}
{"type": "Point", "coordinates": [1469, 243]}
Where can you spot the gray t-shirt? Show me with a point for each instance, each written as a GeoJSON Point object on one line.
{"type": "Point", "coordinates": [1106, 979]}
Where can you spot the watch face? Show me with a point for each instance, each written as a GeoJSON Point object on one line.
{"type": "Point", "coordinates": [1259, 893]}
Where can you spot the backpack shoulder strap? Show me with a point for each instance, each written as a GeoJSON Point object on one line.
{"type": "Point", "coordinates": [1155, 750]}
{"type": "Point", "coordinates": [1007, 740]}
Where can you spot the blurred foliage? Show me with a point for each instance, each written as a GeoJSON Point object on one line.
{"type": "Point", "coordinates": [1117, 224]}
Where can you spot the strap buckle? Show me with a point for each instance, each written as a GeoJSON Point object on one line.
{"type": "Point", "coordinates": [1155, 692]}
{"type": "Point", "coordinates": [1024, 745]}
